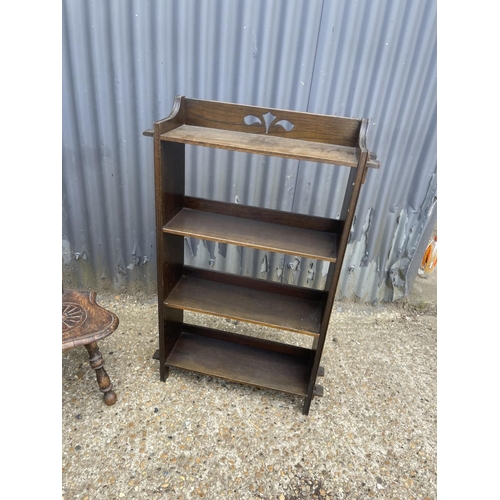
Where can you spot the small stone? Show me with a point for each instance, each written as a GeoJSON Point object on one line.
{"type": "Point", "coordinates": [156, 410]}
{"type": "Point", "coordinates": [409, 483]}
{"type": "Point", "coordinates": [78, 417]}
{"type": "Point", "coordinates": [78, 447]}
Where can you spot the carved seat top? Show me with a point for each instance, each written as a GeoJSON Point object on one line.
{"type": "Point", "coordinates": [83, 320]}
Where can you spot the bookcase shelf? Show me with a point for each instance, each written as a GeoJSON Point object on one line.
{"type": "Point", "coordinates": [293, 309]}
{"type": "Point", "coordinates": [255, 234]}
{"type": "Point", "coordinates": [245, 303]}
{"type": "Point", "coordinates": [295, 149]}
{"type": "Point", "coordinates": [241, 358]}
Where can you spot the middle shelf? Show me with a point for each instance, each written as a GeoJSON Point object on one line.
{"type": "Point", "coordinates": [293, 234]}
{"type": "Point", "coordinates": [255, 301]}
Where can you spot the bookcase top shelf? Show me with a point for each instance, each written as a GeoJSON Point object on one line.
{"type": "Point", "coordinates": [245, 142]}
{"type": "Point", "coordinates": [267, 131]}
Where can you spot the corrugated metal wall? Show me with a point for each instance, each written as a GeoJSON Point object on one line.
{"type": "Point", "coordinates": [125, 61]}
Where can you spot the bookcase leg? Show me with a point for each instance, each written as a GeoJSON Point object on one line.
{"type": "Point", "coordinates": [162, 355]}
{"type": "Point", "coordinates": [164, 371]}
{"type": "Point", "coordinates": [317, 390]}
{"type": "Point", "coordinates": [307, 404]}
{"type": "Point", "coordinates": [172, 329]}
{"type": "Point", "coordinates": [169, 195]}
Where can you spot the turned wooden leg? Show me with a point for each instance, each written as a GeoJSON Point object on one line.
{"type": "Point", "coordinates": [97, 362]}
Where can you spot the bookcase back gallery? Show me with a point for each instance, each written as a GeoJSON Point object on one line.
{"type": "Point", "coordinates": [234, 356]}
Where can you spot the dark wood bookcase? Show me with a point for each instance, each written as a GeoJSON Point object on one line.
{"type": "Point", "coordinates": [299, 310]}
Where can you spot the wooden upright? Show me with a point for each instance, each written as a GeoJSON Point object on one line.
{"type": "Point", "coordinates": [273, 132]}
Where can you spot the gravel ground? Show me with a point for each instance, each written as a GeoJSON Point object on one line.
{"type": "Point", "coordinates": [373, 434]}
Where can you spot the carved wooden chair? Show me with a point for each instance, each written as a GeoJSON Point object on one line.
{"type": "Point", "coordinates": [84, 322]}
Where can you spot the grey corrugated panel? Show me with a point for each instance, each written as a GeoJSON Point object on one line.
{"type": "Point", "coordinates": [377, 60]}
{"type": "Point", "coordinates": [123, 63]}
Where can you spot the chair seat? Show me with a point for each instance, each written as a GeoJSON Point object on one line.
{"type": "Point", "coordinates": [83, 320]}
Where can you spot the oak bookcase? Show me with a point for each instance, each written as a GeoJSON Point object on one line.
{"type": "Point", "coordinates": [300, 310]}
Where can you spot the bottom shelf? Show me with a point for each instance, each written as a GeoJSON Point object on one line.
{"type": "Point", "coordinates": [242, 359]}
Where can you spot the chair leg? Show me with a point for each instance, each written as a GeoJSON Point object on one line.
{"type": "Point", "coordinates": [97, 362]}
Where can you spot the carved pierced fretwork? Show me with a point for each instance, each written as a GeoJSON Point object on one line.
{"type": "Point", "coordinates": [268, 121]}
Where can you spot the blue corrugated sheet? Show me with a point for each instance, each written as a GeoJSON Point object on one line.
{"type": "Point", "coordinates": [125, 61]}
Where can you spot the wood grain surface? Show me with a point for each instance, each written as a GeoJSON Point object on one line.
{"type": "Point", "coordinates": [255, 234]}
{"type": "Point", "coordinates": [246, 304]}
{"type": "Point", "coordinates": [246, 142]}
